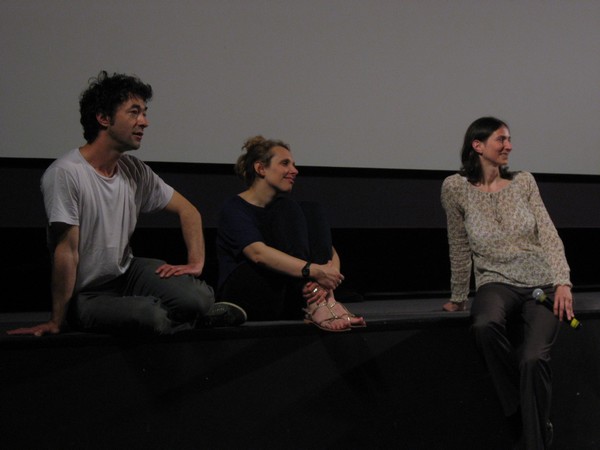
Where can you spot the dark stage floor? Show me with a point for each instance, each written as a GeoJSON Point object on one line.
{"type": "Point", "coordinates": [389, 312]}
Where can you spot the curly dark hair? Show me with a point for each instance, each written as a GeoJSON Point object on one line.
{"type": "Point", "coordinates": [256, 148]}
{"type": "Point", "coordinates": [104, 95]}
{"type": "Point", "coordinates": [480, 130]}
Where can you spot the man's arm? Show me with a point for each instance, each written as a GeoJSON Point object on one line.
{"type": "Point", "coordinates": [191, 228]}
{"type": "Point", "coordinates": [64, 274]}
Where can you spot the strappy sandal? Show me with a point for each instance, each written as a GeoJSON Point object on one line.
{"type": "Point", "coordinates": [346, 315]}
{"type": "Point", "coordinates": [309, 318]}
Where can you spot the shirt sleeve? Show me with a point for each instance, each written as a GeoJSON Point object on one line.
{"type": "Point", "coordinates": [238, 227]}
{"type": "Point", "coordinates": [549, 239]}
{"type": "Point", "coordinates": [458, 240]}
{"type": "Point", "coordinates": [61, 196]}
{"type": "Point", "coordinates": [152, 193]}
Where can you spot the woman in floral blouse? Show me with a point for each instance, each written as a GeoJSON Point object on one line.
{"type": "Point", "coordinates": [499, 228]}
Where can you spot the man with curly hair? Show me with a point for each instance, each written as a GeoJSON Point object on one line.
{"type": "Point", "coordinates": [93, 196]}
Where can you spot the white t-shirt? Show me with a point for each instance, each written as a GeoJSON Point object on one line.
{"type": "Point", "coordinates": [106, 209]}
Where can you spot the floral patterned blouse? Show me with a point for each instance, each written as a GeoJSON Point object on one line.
{"type": "Point", "coordinates": [506, 236]}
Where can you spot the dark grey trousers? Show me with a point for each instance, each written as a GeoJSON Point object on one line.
{"type": "Point", "coordinates": [141, 301]}
{"type": "Point", "coordinates": [519, 362]}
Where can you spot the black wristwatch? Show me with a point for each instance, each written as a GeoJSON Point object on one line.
{"type": "Point", "coordinates": [306, 270]}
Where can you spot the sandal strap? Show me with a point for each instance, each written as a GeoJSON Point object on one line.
{"type": "Point", "coordinates": [345, 315]}
{"type": "Point", "coordinates": [310, 313]}
{"type": "Point", "coordinates": [331, 306]}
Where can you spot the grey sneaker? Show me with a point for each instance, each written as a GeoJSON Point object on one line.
{"type": "Point", "coordinates": [224, 314]}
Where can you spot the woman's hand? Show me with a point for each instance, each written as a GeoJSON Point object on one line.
{"type": "Point", "coordinates": [453, 307]}
{"type": "Point", "coordinates": [327, 275]}
{"type": "Point", "coordinates": [563, 302]}
{"type": "Point", "coordinates": [314, 292]}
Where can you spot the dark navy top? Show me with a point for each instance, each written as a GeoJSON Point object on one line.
{"type": "Point", "coordinates": [240, 224]}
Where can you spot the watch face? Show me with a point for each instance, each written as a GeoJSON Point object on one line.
{"type": "Point", "coordinates": [306, 271]}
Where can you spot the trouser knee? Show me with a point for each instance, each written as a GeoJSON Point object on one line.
{"type": "Point", "coordinates": [534, 364]}
{"type": "Point", "coordinates": [156, 320]}
{"type": "Point", "coordinates": [486, 331]}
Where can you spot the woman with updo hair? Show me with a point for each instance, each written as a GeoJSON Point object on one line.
{"type": "Point", "coordinates": [276, 258]}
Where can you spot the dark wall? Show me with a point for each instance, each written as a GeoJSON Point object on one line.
{"type": "Point", "coordinates": [354, 198]}
{"type": "Point", "coordinates": [388, 225]}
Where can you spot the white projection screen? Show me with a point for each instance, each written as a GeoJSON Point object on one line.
{"type": "Point", "coordinates": [347, 83]}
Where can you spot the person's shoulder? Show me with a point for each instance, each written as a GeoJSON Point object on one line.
{"type": "Point", "coordinates": [526, 182]}
{"type": "Point", "coordinates": [73, 156]}
{"type": "Point", "coordinates": [524, 178]}
{"type": "Point", "coordinates": [235, 203]}
{"type": "Point", "coordinates": [132, 162]}
{"type": "Point", "coordinates": [455, 178]}
{"type": "Point", "coordinates": [454, 182]}
{"type": "Point", "coordinates": [67, 162]}
{"type": "Point", "coordinates": [132, 167]}
{"type": "Point", "coordinates": [232, 200]}
{"type": "Point", "coordinates": [235, 210]}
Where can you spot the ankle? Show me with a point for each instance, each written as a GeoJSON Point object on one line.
{"type": "Point", "coordinates": [316, 303]}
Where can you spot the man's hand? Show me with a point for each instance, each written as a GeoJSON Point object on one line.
{"type": "Point", "coordinates": [168, 271]}
{"type": "Point", "coordinates": [38, 330]}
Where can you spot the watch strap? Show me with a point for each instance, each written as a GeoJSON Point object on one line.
{"type": "Point", "coordinates": [306, 270]}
